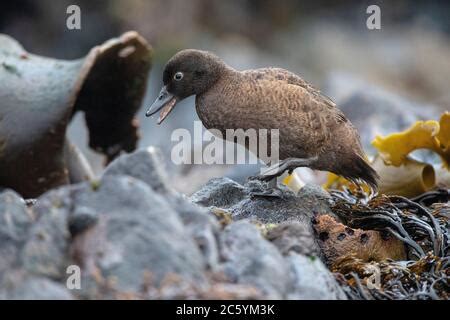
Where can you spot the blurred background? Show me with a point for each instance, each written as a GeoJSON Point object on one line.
{"type": "Point", "coordinates": [406, 64]}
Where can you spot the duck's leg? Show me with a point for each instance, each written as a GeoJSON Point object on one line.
{"type": "Point", "coordinates": [289, 164]}
{"type": "Point", "coordinates": [273, 172]}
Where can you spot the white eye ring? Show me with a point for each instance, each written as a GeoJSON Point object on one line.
{"type": "Point", "coordinates": [178, 76]}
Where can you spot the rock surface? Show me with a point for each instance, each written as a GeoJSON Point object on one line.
{"type": "Point", "coordinates": [15, 220]}
{"type": "Point", "coordinates": [238, 200]}
{"type": "Point", "coordinates": [133, 236]}
{"type": "Point", "coordinates": [21, 286]}
{"type": "Point", "coordinates": [250, 259]}
{"type": "Point", "coordinates": [147, 166]}
{"type": "Point", "coordinates": [311, 280]}
{"type": "Point", "coordinates": [15, 282]}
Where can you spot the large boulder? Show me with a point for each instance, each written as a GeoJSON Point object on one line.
{"type": "Point", "coordinates": [117, 229]}
{"type": "Point", "coordinates": [148, 166]}
{"type": "Point", "coordinates": [250, 259]}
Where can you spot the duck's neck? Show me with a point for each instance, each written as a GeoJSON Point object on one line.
{"type": "Point", "coordinates": [220, 70]}
{"type": "Point", "coordinates": [212, 104]}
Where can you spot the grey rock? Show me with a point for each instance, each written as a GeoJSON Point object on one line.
{"type": "Point", "coordinates": [15, 221]}
{"type": "Point", "coordinates": [46, 252]}
{"type": "Point", "coordinates": [235, 198]}
{"type": "Point", "coordinates": [14, 217]}
{"type": "Point", "coordinates": [147, 165]}
{"type": "Point", "coordinates": [220, 192]}
{"type": "Point", "coordinates": [81, 219]}
{"type": "Point", "coordinates": [119, 227]}
{"type": "Point", "coordinates": [311, 280]}
{"type": "Point", "coordinates": [250, 259]}
{"type": "Point", "coordinates": [21, 286]}
{"type": "Point", "coordinates": [144, 164]}
{"type": "Point", "coordinates": [201, 226]}
{"type": "Point", "coordinates": [141, 234]}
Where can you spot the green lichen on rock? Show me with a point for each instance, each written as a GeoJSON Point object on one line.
{"type": "Point", "coordinates": [95, 185]}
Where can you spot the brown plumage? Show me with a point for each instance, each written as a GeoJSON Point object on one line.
{"type": "Point", "coordinates": [310, 124]}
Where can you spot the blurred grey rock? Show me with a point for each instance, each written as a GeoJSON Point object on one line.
{"type": "Point", "coordinates": [203, 227]}
{"type": "Point", "coordinates": [142, 233]}
{"type": "Point", "coordinates": [20, 286]}
{"type": "Point", "coordinates": [144, 164]}
{"type": "Point", "coordinates": [15, 282]}
{"type": "Point", "coordinates": [311, 280]}
{"type": "Point", "coordinates": [148, 166]}
{"type": "Point", "coordinates": [46, 252]}
{"type": "Point", "coordinates": [14, 217]}
{"type": "Point", "coordinates": [252, 260]}
{"type": "Point", "coordinates": [373, 110]}
{"type": "Point", "coordinates": [15, 221]}
{"type": "Point", "coordinates": [120, 228]}
{"type": "Point", "coordinates": [221, 193]}
{"type": "Point", "coordinates": [227, 194]}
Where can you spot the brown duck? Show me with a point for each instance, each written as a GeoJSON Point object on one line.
{"type": "Point", "coordinates": [313, 132]}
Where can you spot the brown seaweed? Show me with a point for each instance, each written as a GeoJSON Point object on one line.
{"type": "Point", "coordinates": [421, 223]}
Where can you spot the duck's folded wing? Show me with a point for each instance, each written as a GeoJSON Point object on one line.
{"type": "Point", "coordinates": [284, 76]}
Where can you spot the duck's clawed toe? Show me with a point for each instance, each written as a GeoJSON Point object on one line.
{"type": "Point", "coordinates": [268, 189]}
{"type": "Point", "coordinates": [269, 193]}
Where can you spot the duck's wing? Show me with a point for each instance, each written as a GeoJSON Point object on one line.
{"type": "Point", "coordinates": [284, 76]}
{"type": "Point", "coordinates": [307, 119]}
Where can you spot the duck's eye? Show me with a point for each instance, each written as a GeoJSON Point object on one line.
{"type": "Point", "coordinates": [178, 76]}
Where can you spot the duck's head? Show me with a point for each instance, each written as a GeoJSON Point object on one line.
{"type": "Point", "coordinates": [189, 72]}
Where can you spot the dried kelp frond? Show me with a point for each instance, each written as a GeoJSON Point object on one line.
{"type": "Point", "coordinates": [410, 179]}
{"type": "Point", "coordinates": [399, 173]}
{"type": "Point", "coordinates": [430, 134]}
{"type": "Point", "coordinates": [422, 224]}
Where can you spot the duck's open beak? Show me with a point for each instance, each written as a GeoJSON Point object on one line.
{"type": "Point", "coordinates": [165, 101]}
